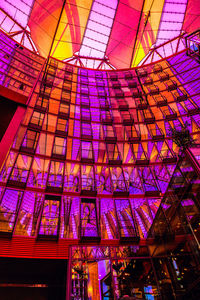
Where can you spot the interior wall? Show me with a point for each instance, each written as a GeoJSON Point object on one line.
{"type": "Point", "coordinates": [32, 279]}
{"type": "Point", "coordinates": [7, 110]}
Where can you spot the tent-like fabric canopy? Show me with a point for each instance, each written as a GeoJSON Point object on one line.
{"type": "Point", "coordinates": [120, 31]}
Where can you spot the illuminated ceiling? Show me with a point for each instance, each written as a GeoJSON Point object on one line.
{"type": "Point", "coordinates": [120, 32]}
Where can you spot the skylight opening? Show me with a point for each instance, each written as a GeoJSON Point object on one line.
{"type": "Point", "coordinates": [171, 21]}
{"type": "Point", "coordinates": [98, 29]}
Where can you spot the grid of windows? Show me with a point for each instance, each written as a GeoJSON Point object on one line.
{"type": "Point", "coordinates": [91, 134]}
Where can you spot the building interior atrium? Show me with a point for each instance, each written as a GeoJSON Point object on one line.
{"type": "Point", "coordinates": [99, 149]}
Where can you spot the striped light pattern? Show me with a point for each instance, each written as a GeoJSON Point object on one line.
{"type": "Point", "coordinates": [98, 29]}
{"type": "Point", "coordinates": [171, 21]}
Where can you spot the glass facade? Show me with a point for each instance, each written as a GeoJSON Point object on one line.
{"type": "Point", "coordinates": [94, 162]}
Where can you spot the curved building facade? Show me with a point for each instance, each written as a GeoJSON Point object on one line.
{"type": "Point", "coordinates": [100, 169]}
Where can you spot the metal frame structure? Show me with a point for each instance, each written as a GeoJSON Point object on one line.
{"type": "Point", "coordinates": [94, 150]}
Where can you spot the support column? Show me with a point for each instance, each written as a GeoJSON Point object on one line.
{"type": "Point", "coordinates": [10, 133]}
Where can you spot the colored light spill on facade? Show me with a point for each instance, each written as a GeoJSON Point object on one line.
{"type": "Point", "coordinates": [71, 29]}
{"type": "Point", "coordinates": [93, 155]}
{"type": "Point", "coordinates": [147, 29]}
{"type": "Point", "coordinates": [98, 29]}
{"type": "Point", "coordinates": [171, 21]}
{"type": "Point", "coordinates": [94, 162]}
{"type": "Point", "coordinates": [14, 18]}
{"type": "Point", "coordinates": [123, 32]}
{"type": "Point", "coordinates": [19, 10]}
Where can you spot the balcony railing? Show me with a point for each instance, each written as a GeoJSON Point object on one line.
{"type": "Point", "coordinates": [157, 68]}
{"type": "Point", "coordinates": [170, 114]}
{"type": "Point", "coordinates": [89, 232]}
{"type": "Point", "coordinates": [18, 177]}
{"type": "Point", "coordinates": [157, 134]}
{"type": "Point", "coordinates": [128, 233]}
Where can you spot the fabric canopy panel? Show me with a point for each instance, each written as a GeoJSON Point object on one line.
{"type": "Point", "coordinates": [124, 33]}
{"type": "Point", "coordinates": [18, 10]}
{"type": "Point", "coordinates": [192, 16]}
{"type": "Point", "coordinates": [80, 27]}
{"type": "Point", "coordinates": [71, 28]}
{"type": "Point", "coordinates": [133, 27]}
{"type": "Point", "coordinates": [148, 29]}
{"type": "Point", "coordinates": [43, 22]}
